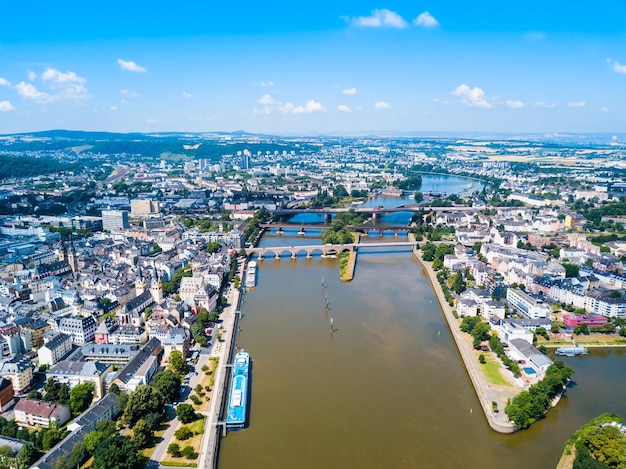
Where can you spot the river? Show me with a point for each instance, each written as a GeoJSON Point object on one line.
{"type": "Point", "coordinates": [387, 388]}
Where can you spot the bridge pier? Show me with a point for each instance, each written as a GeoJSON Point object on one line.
{"type": "Point", "coordinates": [261, 256]}
{"type": "Point", "coordinates": [301, 232]}
{"type": "Point", "coordinates": [328, 218]}
{"type": "Point", "coordinates": [293, 255]}
{"type": "Point", "coordinates": [280, 230]}
{"type": "Point", "coordinates": [277, 256]}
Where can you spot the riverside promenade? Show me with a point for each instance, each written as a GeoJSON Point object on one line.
{"type": "Point", "coordinates": [223, 350]}
{"type": "Point", "coordinates": [485, 392]}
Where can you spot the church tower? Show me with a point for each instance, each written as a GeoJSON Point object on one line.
{"type": "Point", "coordinates": [72, 258]}
{"type": "Point", "coordinates": [156, 287]}
{"type": "Point", "coordinates": [140, 283]}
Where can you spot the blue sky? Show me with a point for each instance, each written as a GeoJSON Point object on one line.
{"type": "Point", "coordinates": [289, 67]}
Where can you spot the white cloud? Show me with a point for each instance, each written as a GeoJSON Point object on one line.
{"type": "Point", "coordinates": [378, 19]}
{"type": "Point", "coordinates": [619, 68]}
{"type": "Point", "coordinates": [310, 106]}
{"type": "Point", "coordinates": [577, 104]}
{"type": "Point", "coordinates": [382, 105]}
{"type": "Point", "coordinates": [267, 84]}
{"type": "Point", "coordinates": [514, 104]}
{"type": "Point", "coordinates": [344, 108]}
{"type": "Point", "coordinates": [266, 100]}
{"type": "Point", "coordinates": [350, 91]}
{"type": "Point", "coordinates": [604, 109]}
{"type": "Point", "coordinates": [440, 101]}
{"type": "Point", "coordinates": [187, 95]}
{"type": "Point", "coordinates": [472, 97]}
{"type": "Point", "coordinates": [73, 91]}
{"type": "Point", "coordinates": [4, 82]}
{"type": "Point", "coordinates": [6, 106]}
{"type": "Point", "coordinates": [544, 104]}
{"type": "Point", "coordinates": [124, 101]}
{"type": "Point", "coordinates": [426, 20]}
{"type": "Point", "coordinates": [152, 120]}
{"type": "Point", "coordinates": [31, 75]}
{"type": "Point", "coordinates": [28, 91]}
{"type": "Point", "coordinates": [129, 94]}
{"type": "Point", "coordinates": [55, 76]}
{"type": "Point", "coordinates": [113, 108]}
{"type": "Point", "coordinates": [130, 66]}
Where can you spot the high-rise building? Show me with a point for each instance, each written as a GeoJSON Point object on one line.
{"type": "Point", "coordinates": [115, 220]}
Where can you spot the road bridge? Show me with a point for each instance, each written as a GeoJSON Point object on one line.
{"type": "Point", "coordinates": [322, 249]}
{"type": "Point", "coordinates": [375, 212]}
{"type": "Point", "coordinates": [365, 229]}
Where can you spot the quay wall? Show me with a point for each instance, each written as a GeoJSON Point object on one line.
{"type": "Point", "coordinates": [495, 421]}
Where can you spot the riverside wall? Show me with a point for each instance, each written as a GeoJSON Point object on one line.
{"type": "Point", "coordinates": [497, 421]}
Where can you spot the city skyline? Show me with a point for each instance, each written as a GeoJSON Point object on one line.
{"type": "Point", "coordinates": [323, 67]}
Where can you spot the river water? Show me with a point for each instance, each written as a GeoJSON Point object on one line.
{"type": "Point", "coordinates": [387, 389]}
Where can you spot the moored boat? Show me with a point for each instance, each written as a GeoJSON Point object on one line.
{"type": "Point", "coordinates": [251, 274]}
{"type": "Point", "coordinates": [572, 351]}
{"type": "Point", "coordinates": [237, 413]}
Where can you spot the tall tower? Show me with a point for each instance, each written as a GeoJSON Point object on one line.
{"type": "Point", "coordinates": [156, 287]}
{"type": "Point", "coordinates": [140, 283]}
{"type": "Point", "coordinates": [72, 258]}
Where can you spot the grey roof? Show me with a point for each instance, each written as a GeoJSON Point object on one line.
{"type": "Point", "coordinates": [77, 368]}
{"type": "Point", "coordinates": [57, 340]}
{"type": "Point", "coordinates": [530, 352]}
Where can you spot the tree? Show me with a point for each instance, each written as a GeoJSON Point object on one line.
{"type": "Point", "coordinates": [581, 329]}
{"type": "Point", "coordinates": [185, 413]}
{"type": "Point", "coordinates": [7, 458]}
{"type": "Point", "coordinates": [26, 456]}
{"type": "Point", "coordinates": [459, 284]}
{"type": "Point", "coordinates": [177, 362]}
{"type": "Point", "coordinates": [571, 270]}
{"type": "Point", "coordinates": [213, 247]}
{"type": "Point", "coordinates": [418, 197]}
{"type": "Point", "coordinates": [51, 438]}
{"type": "Point", "coordinates": [81, 396]}
{"type": "Point", "coordinates": [188, 452]}
{"type": "Point", "coordinates": [144, 400]}
{"type": "Point", "coordinates": [93, 440]}
{"type": "Point", "coordinates": [183, 433]}
{"type": "Point", "coordinates": [117, 453]}
{"type": "Point", "coordinates": [482, 359]}
{"type": "Point", "coordinates": [167, 383]}
{"type": "Point", "coordinates": [142, 434]}
{"type": "Point", "coordinates": [34, 394]}
{"type": "Point", "coordinates": [115, 389]}
{"type": "Point", "coordinates": [174, 449]}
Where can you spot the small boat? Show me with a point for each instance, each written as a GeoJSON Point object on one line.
{"type": "Point", "coordinates": [572, 351]}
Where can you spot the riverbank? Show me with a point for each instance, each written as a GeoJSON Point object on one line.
{"type": "Point", "coordinates": [486, 393]}
{"type": "Point", "coordinates": [223, 350]}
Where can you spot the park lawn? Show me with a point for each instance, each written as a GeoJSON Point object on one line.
{"type": "Point", "coordinates": [491, 369]}
{"type": "Point", "coordinates": [205, 381]}
{"type": "Point", "coordinates": [194, 442]}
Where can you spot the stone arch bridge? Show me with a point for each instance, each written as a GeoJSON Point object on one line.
{"type": "Point", "coordinates": [320, 249]}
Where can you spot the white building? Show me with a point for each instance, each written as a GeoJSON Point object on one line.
{"type": "Point", "coordinates": [530, 307]}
